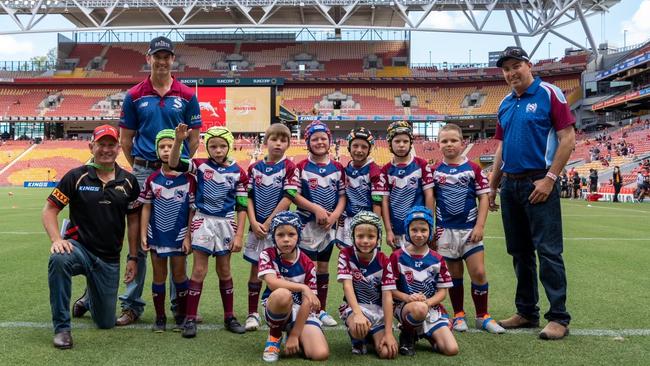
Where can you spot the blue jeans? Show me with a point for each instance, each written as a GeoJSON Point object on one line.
{"type": "Point", "coordinates": [529, 229]}
{"type": "Point", "coordinates": [132, 298]}
{"type": "Point", "coordinates": [102, 282]}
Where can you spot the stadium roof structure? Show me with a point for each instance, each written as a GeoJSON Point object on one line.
{"type": "Point", "coordinates": [525, 18]}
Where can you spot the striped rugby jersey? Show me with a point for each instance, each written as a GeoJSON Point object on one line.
{"type": "Point", "coordinates": [420, 273]}
{"type": "Point", "coordinates": [368, 279]}
{"type": "Point", "coordinates": [361, 184]}
{"type": "Point", "coordinates": [456, 189]}
{"type": "Point", "coordinates": [171, 198]}
{"type": "Point", "coordinates": [322, 184]}
{"type": "Point", "coordinates": [218, 186]}
{"type": "Point", "coordinates": [302, 270]}
{"type": "Point", "coordinates": [268, 183]}
{"type": "Point", "coordinates": [405, 185]}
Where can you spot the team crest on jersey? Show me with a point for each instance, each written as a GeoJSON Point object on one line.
{"type": "Point", "coordinates": [179, 195]}
{"type": "Point", "coordinates": [313, 183]}
{"type": "Point", "coordinates": [413, 182]}
{"type": "Point", "coordinates": [157, 192]}
{"type": "Point", "coordinates": [442, 179]}
{"type": "Point", "coordinates": [357, 275]}
{"type": "Point", "coordinates": [531, 107]}
{"type": "Point", "coordinates": [258, 181]}
{"type": "Point", "coordinates": [409, 276]}
{"type": "Point", "coordinates": [208, 174]}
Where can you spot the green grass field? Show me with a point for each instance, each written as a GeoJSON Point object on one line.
{"type": "Point", "coordinates": [606, 251]}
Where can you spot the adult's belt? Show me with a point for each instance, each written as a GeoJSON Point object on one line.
{"type": "Point", "coordinates": [147, 164]}
{"type": "Point", "coordinates": [527, 174]}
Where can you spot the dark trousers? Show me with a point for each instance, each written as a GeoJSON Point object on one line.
{"type": "Point", "coordinates": [532, 232]}
{"type": "Point", "coordinates": [617, 190]}
{"type": "Point", "coordinates": [102, 281]}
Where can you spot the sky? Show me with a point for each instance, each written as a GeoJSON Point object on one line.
{"type": "Point", "coordinates": [628, 15]}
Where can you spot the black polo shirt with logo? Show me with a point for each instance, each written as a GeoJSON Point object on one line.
{"type": "Point", "coordinates": [97, 211]}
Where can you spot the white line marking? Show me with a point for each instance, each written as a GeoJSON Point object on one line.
{"type": "Point", "coordinates": [211, 327]}
{"type": "Point", "coordinates": [607, 208]}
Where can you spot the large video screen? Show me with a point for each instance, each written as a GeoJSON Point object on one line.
{"type": "Point", "coordinates": [241, 109]}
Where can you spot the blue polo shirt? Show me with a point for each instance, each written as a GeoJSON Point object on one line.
{"type": "Point", "coordinates": [527, 125]}
{"type": "Point", "coordinates": [146, 112]}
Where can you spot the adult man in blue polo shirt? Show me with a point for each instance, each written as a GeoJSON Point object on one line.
{"type": "Point", "coordinates": [157, 103]}
{"type": "Point", "coordinates": [536, 137]}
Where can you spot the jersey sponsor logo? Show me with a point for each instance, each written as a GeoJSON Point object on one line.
{"type": "Point", "coordinates": [195, 117]}
{"type": "Point", "coordinates": [531, 107]}
{"type": "Point", "coordinates": [178, 104]}
{"type": "Point", "coordinates": [322, 170]}
{"type": "Point", "coordinates": [143, 104]}
{"type": "Point", "coordinates": [169, 182]}
{"type": "Point", "coordinates": [121, 189]}
{"type": "Point", "coordinates": [60, 196]}
{"type": "Point", "coordinates": [401, 172]}
{"type": "Point", "coordinates": [355, 172]}
{"type": "Point", "coordinates": [268, 169]}
{"type": "Point", "coordinates": [208, 174]}
{"type": "Point", "coordinates": [88, 189]}
{"type": "Point", "coordinates": [409, 276]}
{"type": "Point", "coordinates": [417, 264]}
{"type": "Point", "coordinates": [313, 183]}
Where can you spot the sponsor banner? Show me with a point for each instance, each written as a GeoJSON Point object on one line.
{"type": "Point", "coordinates": [435, 117]}
{"type": "Point", "coordinates": [627, 64]}
{"type": "Point", "coordinates": [28, 184]}
{"type": "Point", "coordinates": [232, 81]}
{"type": "Point", "coordinates": [240, 109]}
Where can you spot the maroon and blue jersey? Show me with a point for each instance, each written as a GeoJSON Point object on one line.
{"type": "Point", "coordinates": [301, 270]}
{"type": "Point", "coordinates": [405, 185]}
{"type": "Point", "coordinates": [171, 198]}
{"type": "Point", "coordinates": [361, 184]}
{"type": "Point", "coordinates": [423, 274]}
{"type": "Point", "coordinates": [148, 113]}
{"type": "Point", "coordinates": [528, 123]}
{"type": "Point", "coordinates": [218, 187]}
{"type": "Point", "coordinates": [456, 188]}
{"type": "Point", "coordinates": [368, 279]}
{"type": "Point", "coordinates": [321, 184]}
{"type": "Point", "coordinates": [268, 183]}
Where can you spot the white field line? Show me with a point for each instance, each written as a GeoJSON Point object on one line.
{"type": "Point", "coordinates": [486, 237]}
{"type": "Point", "coordinates": [212, 327]}
{"type": "Point", "coordinates": [607, 208]}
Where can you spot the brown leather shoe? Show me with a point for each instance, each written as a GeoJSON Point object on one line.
{"type": "Point", "coordinates": [518, 321]}
{"type": "Point", "coordinates": [127, 317]}
{"type": "Point", "coordinates": [79, 307]}
{"type": "Point", "coordinates": [554, 331]}
{"type": "Point", "coordinates": [63, 340]}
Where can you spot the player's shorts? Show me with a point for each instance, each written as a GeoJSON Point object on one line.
{"type": "Point", "coordinates": [436, 319]}
{"type": "Point", "coordinates": [211, 234]}
{"type": "Point", "coordinates": [312, 319]}
{"type": "Point", "coordinates": [343, 233]}
{"type": "Point", "coordinates": [374, 314]}
{"type": "Point", "coordinates": [454, 244]}
{"type": "Point", "coordinates": [317, 242]}
{"type": "Point", "coordinates": [165, 252]}
{"type": "Point", "coordinates": [255, 246]}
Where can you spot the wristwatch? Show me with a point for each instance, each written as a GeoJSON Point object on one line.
{"type": "Point", "coordinates": [132, 258]}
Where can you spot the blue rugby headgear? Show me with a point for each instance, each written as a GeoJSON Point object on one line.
{"type": "Point", "coordinates": [418, 213]}
{"type": "Point", "coordinates": [285, 218]}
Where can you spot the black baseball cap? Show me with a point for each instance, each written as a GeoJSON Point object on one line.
{"type": "Point", "coordinates": [160, 44]}
{"type": "Point", "coordinates": [514, 52]}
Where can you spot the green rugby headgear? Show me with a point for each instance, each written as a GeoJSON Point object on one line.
{"type": "Point", "coordinates": [167, 133]}
{"type": "Point", "coordinates": [224, 133]}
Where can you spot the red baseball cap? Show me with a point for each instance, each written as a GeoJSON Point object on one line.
{"type": "Point", "coordinates": [105, 130]}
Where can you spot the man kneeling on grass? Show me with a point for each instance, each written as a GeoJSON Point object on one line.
{"type": "Point", "coordinates": [100, 195]}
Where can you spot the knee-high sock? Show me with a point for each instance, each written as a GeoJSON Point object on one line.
{"type": "Point", "coordinates": [227, 297]}
{"type": "Point", "coordinates": [158, 292]}
{"type": "Point", "coordinates": [457, 295]}
{"type": "Point", "coordinates": [181, 298]}
{"type": "Point", "coordinates": [480, 297]}
{"type": "Point", "coordinates": [254, 289]}
{"type": "Point", "coordinates": [322, 282]}
{"type": "Point", "coordinates": [409, 324]}
{"type": "Point", "coordinates": [276, 323]}
{"type": "Point", "coordinates": [193, 297]}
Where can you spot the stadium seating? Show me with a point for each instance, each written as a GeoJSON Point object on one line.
{"type": "Point", "coordinates": [10, 150]}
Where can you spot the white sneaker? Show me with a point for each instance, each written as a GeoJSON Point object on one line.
{"type": "Point", "coordinates": [272, 349]}
{"type": "Point", "coordinates": [326, 319]}
{"type": "Point", "coordinates": [490, 325]}
{"type": "Point", "coordinates": [252, 322]}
